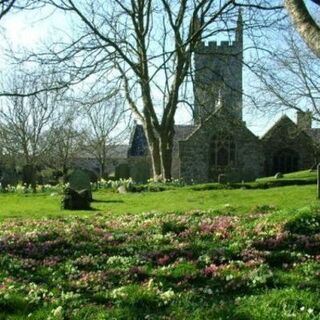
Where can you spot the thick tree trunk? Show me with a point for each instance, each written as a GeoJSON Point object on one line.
{"type": "Point", "coordinates": [166, 149]}
{"type": "Point", "coordinates": [155, 160]}
{"type": "Point", "coordinates": [64, 173]}
{"type": "Point", "coordinates": [304, 24]}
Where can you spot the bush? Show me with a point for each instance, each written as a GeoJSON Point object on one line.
{"type": "Point", "coordinates": [172, 226]}
{"type": "Point", "coordinates": [307, 222]}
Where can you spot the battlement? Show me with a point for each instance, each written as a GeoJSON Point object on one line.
{"type": "Point", "coordinates": [217, 46]}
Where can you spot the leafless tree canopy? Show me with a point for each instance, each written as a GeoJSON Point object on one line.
{"type": "Point", "coordinates": [145, 47]}
{"type": "Point", "coordinates": [15, 5]}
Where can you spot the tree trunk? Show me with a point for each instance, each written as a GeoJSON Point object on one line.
{"type": "Point", "coordinates": [64, 173]}
{"type": "Point", "coordinates": [155, 160]}
{"type": "Point", "coordinates": [166, 149]}
{"type": "Point", "coordinates": [304, 24]}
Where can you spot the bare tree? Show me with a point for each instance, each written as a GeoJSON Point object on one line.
{"type": "Point", "coordinates": [7, 6]}
{"type": "Point", "coordinates": [104, 128]}
{"type": "Point", "coordinates": [147, 45]}
{"type": "Point", "coordinates": [64, 141]}
{"type": "Point", "coordinates": [304, 23]}
{"type": "Point", "coordinates": [287, 78]}
{"type": "Point", "coordinates": [24, 120]}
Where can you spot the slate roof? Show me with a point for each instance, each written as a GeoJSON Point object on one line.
{"type": "Point", "coordinates": [283, 121]}
{"type": "Point", "coordinates": [314, 133]}
{"type": "Point", "coordinates": [138, 145]}
{"type": "Point", "coordinates": [117, 151]}
{"type": "Point", "coordinates": [183, 131]}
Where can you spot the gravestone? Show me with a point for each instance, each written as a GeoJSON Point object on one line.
{"type": "Point", "coordinates": [8, 177]}
{"type": "Point", "coordinates": [122, 189]}
{"type": "Point", "coordinates": [29, 175]}
{"type": "Point", "coordinates": [278, 175]}
{"type": "Point", "coordinates": [140, 172]}
{"type": "Point", "coordinates": [122, 171]}
{"type": "Point", "coordinates": [222, 178]}
{"type": "Point", "coordinates": [74, 200]}
{"type": "Point", "coordinates": [79, 180]}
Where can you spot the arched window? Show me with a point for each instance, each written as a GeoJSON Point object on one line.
{"type": "Point", "coordinates": [222, 152]}
{"type": "Point", "coordinates": [285, 160]}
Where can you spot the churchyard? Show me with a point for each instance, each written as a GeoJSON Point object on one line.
{"type": "Point", "coordinates": [190, 252]}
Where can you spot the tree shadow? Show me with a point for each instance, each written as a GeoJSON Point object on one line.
{"type": "Point", "coordinates": [107, 201]}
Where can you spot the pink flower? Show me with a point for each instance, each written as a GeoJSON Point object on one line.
{"type": "Point", "coordinates": [163, 260]}
{"type": "Point", "coordinates": [211, 270]}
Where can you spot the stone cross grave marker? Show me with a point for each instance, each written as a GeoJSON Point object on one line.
{"type": "Point", "coordinates": [79, 180]}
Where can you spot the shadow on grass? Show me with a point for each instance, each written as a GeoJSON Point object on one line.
{"type": "Point", "coordinates": [107, 201]}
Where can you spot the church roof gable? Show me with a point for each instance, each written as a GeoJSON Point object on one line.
{"type": "Point", "coordinates": [284, 123]}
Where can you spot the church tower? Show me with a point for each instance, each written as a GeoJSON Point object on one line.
{"type": "Point", "coordinates": [218, 76]}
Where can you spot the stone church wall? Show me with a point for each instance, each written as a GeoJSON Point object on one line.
{"type": "Point", "coordinates": [195, 152]}
{"type": "Point", "coordinates": [286, 135]}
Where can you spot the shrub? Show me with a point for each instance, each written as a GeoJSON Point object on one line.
{"type": "Point", "coordinates": [307, 222]}
{"type": "Point", "coordinates": [172, 226]}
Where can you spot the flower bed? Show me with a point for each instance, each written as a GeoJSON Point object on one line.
{"type": "Point", "coordinates": [196, 265]}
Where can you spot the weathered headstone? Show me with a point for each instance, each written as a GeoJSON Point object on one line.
{"type": "Point", "coordinates": [278, 175]}
{"type": "Point", "coordinates": [79, 180]}
{"type": "Point", "coordinates": [140, 171]}
{"type": "Point", "coordinates": [29, 175]}
{"type": "Point", "coordinates": [122, 189]}
{"type": "Point", "coordinates": [8, 177]}
{"type": "Point", "coordinates": [222, 178]}
{"type": "Point", "coordinates": [74, 200]}
{"type": "Point", "coordinates": [122, 171]}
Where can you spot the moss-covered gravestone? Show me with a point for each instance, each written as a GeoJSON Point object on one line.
{"type": "Point", "coordinates": [140, 171]}
{"type": "Point", "coordinates": [29, 175]}
{"type": "Point", "coordinates": [79, 180]}
{"type": "Point", "coordinates": [78, 195]}
{"type": "Point", "coordinates": [8, 177]}
{"type": "Point", "coordinates": [75, 200]}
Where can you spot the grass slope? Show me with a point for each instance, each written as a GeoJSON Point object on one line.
{"type": "Point", "coordinates": [299, 175]}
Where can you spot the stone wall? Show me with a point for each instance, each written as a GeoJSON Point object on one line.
{"type": "Point", "coordinates": [286, 135]}
{"type": "Point", "coordinates": [194, 153]}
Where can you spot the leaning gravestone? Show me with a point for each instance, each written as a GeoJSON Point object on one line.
{"type": "Point", "coordinates": [278, 175]}
{"type": "Point", "coordinates": [74, 200]}
{"type": "Point", "coordinates": [79, 180]}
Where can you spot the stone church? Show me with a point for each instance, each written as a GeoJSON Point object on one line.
{"type": "Point", "coordinates": [219, 142]}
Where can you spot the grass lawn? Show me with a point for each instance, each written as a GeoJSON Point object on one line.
{"type": "Point", "coordinates": [178, 254]}
{"type": "Point", "coordinates": [304, 175]}
{"type": "Point", "coordinates": [180, 199]}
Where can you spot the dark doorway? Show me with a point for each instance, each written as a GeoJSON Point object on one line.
{"type": "Point", "coordinates": [285, 160]}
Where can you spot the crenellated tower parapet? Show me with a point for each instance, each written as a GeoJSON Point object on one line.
{"type": "Point", "coordinates": [218, 75]}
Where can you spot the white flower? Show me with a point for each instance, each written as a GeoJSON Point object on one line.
{"type": "Point", "coordinates": [57, 312]}
{"type": "Point", "coordinates": [167, 296]}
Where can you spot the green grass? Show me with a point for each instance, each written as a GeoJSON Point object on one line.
{"type": "Point", "coordinates": [299, 175]}
{"type": "Point", "coordinates": [190, 265]}
{"type": "Point", "coordinates": [180, 254]}
{"type": "Point", "coordinates": [180, 199]}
